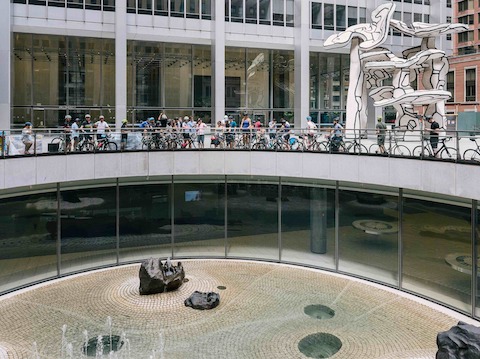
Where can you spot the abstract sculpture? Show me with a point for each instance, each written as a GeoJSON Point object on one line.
{"type": "Point", "coordinates": [370, 64]}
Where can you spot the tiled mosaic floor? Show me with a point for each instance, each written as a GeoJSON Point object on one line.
{"type": "Point", "coordinates": [261, 315]}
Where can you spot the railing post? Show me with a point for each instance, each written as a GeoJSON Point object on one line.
{"type": "Point", "coordinates": [457, 144]}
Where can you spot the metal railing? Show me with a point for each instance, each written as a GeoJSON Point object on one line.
{"type": "Point", "coordinates": [397, 142]}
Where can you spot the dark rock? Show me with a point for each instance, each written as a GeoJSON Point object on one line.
{"type": "Point", "coordinates": [157, 277]}
{"type": "Point", "coordinates": [200, 300]}
{"type": "Point", "coordinates": [460, 342]}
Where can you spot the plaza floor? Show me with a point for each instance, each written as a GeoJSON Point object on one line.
{"type": "Point", "coordinates": [261, 315]}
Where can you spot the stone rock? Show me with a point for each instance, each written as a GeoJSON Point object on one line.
{"type": "Point", "coordinates": [460, 342]}
{"type": "Point", "coordinates": [201, 300]}
{"type": "Point", "coordinates": [157, 277]}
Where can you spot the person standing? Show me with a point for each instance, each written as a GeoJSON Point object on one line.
{"type": "Point", "coordinates": [67, 129]}
{"type": "Point", "coordinates": [380, 130]}
{"type": "Point", "coordinates": [311, 132]}
{"type": "Point", "coordinates": [124, 135]}
{"type": "Point", "coordinates": [27, 137]}
{"type": "Point", "coordinates": [101, 127]}
{"type": "Point", "coordinates": [75, 134]}
{"type": "Point", "coordinates": [337, 135]}
{"type": "Point", "coordinates": [200, 133]}
{"type": "Point", "coordinates": [86, 129]}
{"type": "Point", "coordinates": [246, 125]}
{"type": "Point", "coordinates": [434, 132]}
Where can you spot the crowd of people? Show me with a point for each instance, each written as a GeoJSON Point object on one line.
{"type": "Point", "coordinates": [227, 133]}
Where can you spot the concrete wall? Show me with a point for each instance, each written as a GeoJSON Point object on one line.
{"type": "Point", "coordinates": [430, 176]}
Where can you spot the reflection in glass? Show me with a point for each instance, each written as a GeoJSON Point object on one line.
{"type": "Point", "coordinates": [308, 225]}
{"type": "Point", "coordinates": [199, 219]}
{"type": "Point", "coordinates": [234, 77]}
{"type": "Point", "coordinates": [22, 70]}
{"type": "Point", "coordinates": [252, 219]}
{"type": "Point", "coordinates": [283, 79]}
{"type": "Point", "coordinates": [28, 239]}
{"type": "Point", "coordinates": [258, 78]}
{"type": "Point", "coordinates": [328, 16]}
{"type": "Point", "coordinates": [178, 75]}
{"type": "Point", "coordinates": [202, 76]}
{"type": "Point", "coordinates": [368, 235]}
{"type": "Point", "coordinates": [145, 224]}
{"type": "Point", "coordinates": [437, 251]}
{"type": "Point", "coordinates": [88, 228]}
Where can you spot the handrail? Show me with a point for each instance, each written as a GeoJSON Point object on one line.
{"type": "Point", "coordinates": [398, 142]}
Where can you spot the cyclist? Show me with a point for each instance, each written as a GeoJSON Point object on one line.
{"type": "Point", "coordinates": [337, 134]}
{"type": "Point", "coordinates": [380, 130]}
{"type": "Point", "coordinates": [101, 127]}
{"type": "Point", "coordinates": [86, 128]}
{"type": "Point", "coordinates": [75, 133]}
{"type": "Point", "coordinates": [124, 132]}
{"type": "Point", "coordinates": [434, 132]}
{"type": "Point", "coordinates": [67, 129]}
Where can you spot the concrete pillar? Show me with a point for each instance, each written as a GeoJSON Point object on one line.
{"type": "Point", "coordinates": [218, 61]}
{"type": "Point", "coordinates": [120, 62]}
{"type": "Point", "coordinates": [302, 63]}
{"type": "Point", "coordinates": [318, 220]}
{"type": "Point", "coordinates": [5, 64]}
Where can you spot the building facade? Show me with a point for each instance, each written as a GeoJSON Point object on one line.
{"type": "Point", "coordinates": [463, 75]}
{"type": "Point", "coordinates": [132, 59]}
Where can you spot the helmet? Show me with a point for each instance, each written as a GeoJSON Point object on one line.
{"type": "Point", "coordinates": [225, 117]}
{"type": "Point", "coordinates": [186, 118]}
{"type": "Point", "coordinates": [309, 118]}
{"type": "Point", "coordinates": [68, 117]}
{"type": "Point", "coordinates": [151, 119]}
{"type": "Point", "coordinates": [245, 113]}
{"type": "Point", "coordinates": [28, 123]}
{"type": "Point", "coordinates": [124, 120]}
{"type": "Point", "coordinates": [87, 115]}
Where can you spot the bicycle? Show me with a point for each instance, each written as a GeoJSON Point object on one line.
{"type": "Point", "coordinates": [104, 144]}
{"type": "Point", "coordinates": [444, 151]}
{"type": "Point", "coordinates": [355, 147]}
{"type": "Point", "coordinates": [86, 144]}
{"type": "Point", "coordinates": [60, 141]}
{"type": "Point", "coordinates": [472, 154]}
{"type": "Point", "coordinates": [396, 149]}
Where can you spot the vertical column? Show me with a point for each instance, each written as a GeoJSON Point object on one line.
{"type": "Point", "coordinates": [120, 62]}
{"type": "Point", "coordinates": [318, 220]}
{"type": "Point", "coordinates": [5, 63]}
{"type": "Point", "coordinates": [218, 60]}
{"type": "Point", "coordinates": [302, 63]}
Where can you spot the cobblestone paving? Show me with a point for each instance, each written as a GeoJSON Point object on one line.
{"type": "Point", "coordinates": [261, 315]}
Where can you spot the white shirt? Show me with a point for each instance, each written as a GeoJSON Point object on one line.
{"type": "Point", "coordinates": [75, 131]}
{"type": "Point", "coordinates": [101, 126]}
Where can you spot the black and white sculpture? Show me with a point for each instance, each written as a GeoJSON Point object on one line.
{"type": "Point", "coordinates": [370, 64]}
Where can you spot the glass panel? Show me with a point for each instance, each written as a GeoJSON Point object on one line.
{"type": "Point", "coordinates": [436, 251]}
{"type": "Point", "coordinates": [199, 219]}
{"type": "Point", "coordinates": [235, 77]}
{"type": "Point", "coordinates": [330, 81]}
{"type": "Point", "coordinates": [22, 69]}
{"type": "Point", "coordinates": [193, 9]}
{"type": "Point", "coordinates": [206, 9]}
{"type": "Point", "coordinates": [340, 17]}
{"type": "Point", "coordinates": [316, 15]}
{"type": "Point", "coordinates": [28, 239]}
{"type": "Point", "coordinates": [352, 15]}
{"type": "Point", "coordinates": [93, 4]}
{"type": "Point", "coordinates": [108, 74]}
{"type": "Point", "coordinates": [88, 228]}
{"type": "Point", "coordinates": [176, 8]}
{"type": "Point", "coordinates": [161, 7]}
{"type": "Point", "coordinates": [45, 69]}
{"type": "Point", "coordinates": [278, 12]}
{"type": "Point", "coordinates": [145, 221]}
{"type": "Point", "coordinates": [368, 235]}
{"type": "Point", "coordinates": [283, 79]}
{"type": "Point", "coordinates": [73, 70]}
{"type": "Point", "coordinates": [145, 7]}
{"type": "Point", "coordinates": [251, 11]}
{"type": "Point", "coordinates": [362, 15]}
{"type": "Point", "coordinates": [258, 78]}
{"type": "Point", "coordinates": [477, 243]}
{"type": "Point", "coordinates": [92, 70]}
{"type": "Point", "coordinates": [147, 62]}
{"type": "Point", "coordinates": [202, 76]}
{"type": "Point", "coordinates": [109, 5]}
{"type": "Point", "coordinates": [252, 219]}
{"type": "Point", "coordinates": [314, 80]}
{"type": "Point", "coordinates": [265, 12]}
{"type": "Point", "coordinates": [451, 85]}
{"type": "Point", "coordinates": [178, 75]}
{"type": "Point", "coordinates": [237, 10]}
{"type": "Point", "coordinates": [328, 16]}
{"type": "Point", "coordinates": [131, 6]}
{"type": "Point", "coordinates": [308, 225]}
{"type": "Point", "coordinates": [290, 7]}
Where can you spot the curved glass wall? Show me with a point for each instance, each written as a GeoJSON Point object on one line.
{"type": "Point", "coordinates": [413, 241]}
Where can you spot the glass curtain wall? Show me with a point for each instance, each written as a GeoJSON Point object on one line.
{"type": "Point", "coordinates": [252, 218]}
{"type": "Point", "coordinates": [308, 223]}
{"type": "Point", "coordinates": [368, 234]}
{"type": "Point", "coordinates": [28, 239]}
{"type": "Point", "coordinates": [235, 78]}
{"type": "Point", "coordinates": [145, 219]}
{"type": "Point", "coordinates": [199, 210]}
{"type": "Point", "coordinates": [437, 250]}
{"type": "Point", "coordinates": [202, 82]}
{"type": "Point", "coordinates": [56, 75]}
{"type": "Point", "coordinates": [88, 226]}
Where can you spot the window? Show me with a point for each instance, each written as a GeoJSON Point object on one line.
{"type": "Point", "coordinates": [417, 1]}
{"type": "Point", "coordinates": [397, 15]}
{"type": "Point", "coordinates": [207, 9]}
{"type": "Point", "coordinates": [59, 3]}
{"type": "Point", "coordinates": [470, 84]}
{"type": "Point", "coordinates": [251, 11]}
{"type": "Point", "coordinates": [362, 15]}
{"type": "Point", "coordinates": [340, 17]}
{"type": "Point", "coordinates": [76, 4]}
{"type": "Point", "coordinates": [451, 85]}
{"type": "Point", "coordinates": [145, 7]}
{"type": "Point", "coordinates": [466, 50]}
{"type": "Point", "coordinates": [426, 18]}
{"type": "Point", "coordinates": [449, 3]}
{"type": "Point", "coordinates": [465, 36]}
{"type": "Point", "coordinates": [108, 5]}
{"type": "Point", "coordinates": [290, 12]}
{"type": "Point", "coordinates": [328, 16]}
{"type": "Point", "coordinates": [449, 21]}
{"type": "Point", "coordinates": [131, 6]}
{"type": "Point", "coordinates": [193, 9]}
{"type": "Point", "coordinates": [176, 8]}
{"type": "Point", "coordinates": [161, 7]}
{"type": "Point", "coordinates": [278, 12]}
{"type": "Point", "coordinates": [464, 5]}
{"type": "Point", "coordinates": [467, 19]}
{"type": "Point", "coordinates": [264, 8]}
{"type": "Point", "coordinates": [417, 17]}
{"type": "Point", "coordinates": [352, 15]}
{"type": "Point", "coordinates": [316, 15]}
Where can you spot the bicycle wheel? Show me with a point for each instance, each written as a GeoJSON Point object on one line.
{"type": "Point", "coordinates": [375, 149]}
{"type": "Point", "coordinates": [87, 147]}
{"type": "Point", "coordinates": [421, 152]}
{"type": "Point", "coordinates": [111, 146]}
{"type": "Point", "coordinates": [259, 146]}
{"type": "Point", "coordinates": [471, 155]}
{"type": "Point", "coordinates": [147, 145]}
{"type": "Point", "coordinates": [321, 146]}
{"type": "Point", "coordinates": [448, 153]}
{"type": "Point", "coordinates": [61, 143]}
{"type": "Point", "coordinates": [401, 150]}
{"type": "Point", "coordinates": [297, 146]}
{"type": "Point", "coordinates": [356, 148]}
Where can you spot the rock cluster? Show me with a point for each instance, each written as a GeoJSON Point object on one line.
{"type": "Point", "coordinates": [460, 342]}
{"type": "Point", "coordinates": [157, 277]}
{"type": "Point", "coordinates": [201, 300]}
